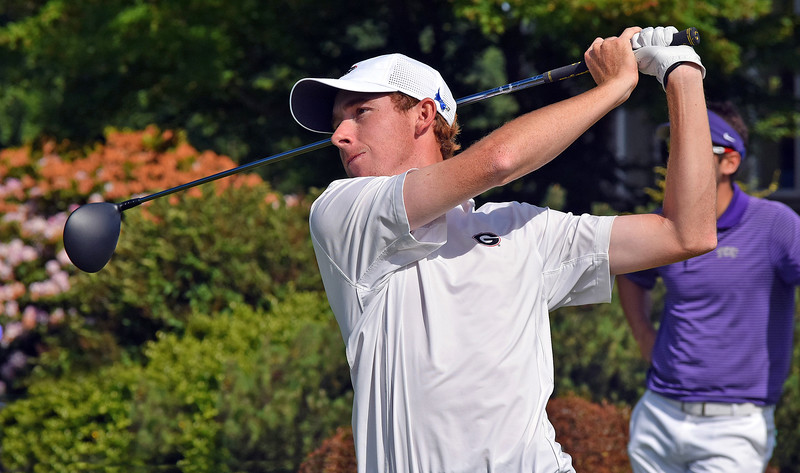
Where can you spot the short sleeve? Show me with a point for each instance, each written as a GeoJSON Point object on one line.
{"type": "Point", "coordinates": [575, 253]}
{"type": "Point", "coordinates": [360, 226]}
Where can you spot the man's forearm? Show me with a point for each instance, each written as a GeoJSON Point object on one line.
{"type": "Point", "coordinates": [690, 194]}
{"type": "Point", "coordinates": [636, 304]}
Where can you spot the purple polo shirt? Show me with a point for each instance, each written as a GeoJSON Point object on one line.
{"type": "Point", "coordinates": [727, 324]}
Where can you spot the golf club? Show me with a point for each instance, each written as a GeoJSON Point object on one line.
{"type": "Point", "coordinates": [92, 230]}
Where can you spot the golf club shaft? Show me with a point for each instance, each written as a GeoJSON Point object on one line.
{"type": "Point", "coordinates": [274, 158]}
{"type": "Point", "coordinates": [689, 36]}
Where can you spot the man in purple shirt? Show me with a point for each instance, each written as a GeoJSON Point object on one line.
{"type": "Point", "coordinates": [723, 348]}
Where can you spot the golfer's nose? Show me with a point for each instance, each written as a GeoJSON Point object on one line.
{"type": "Point", "coordinates": [342, 135]}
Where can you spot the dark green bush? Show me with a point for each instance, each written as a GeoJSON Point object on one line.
{"type": "Point", "coordinates": [244, 390]}
{"type": "Point", "coordinates": [70, 425]}
{"type": "Point", "coordinates": [595, 355]}
{"type": "Point", "coordinates": [787, 413]}
{"type": "Point", "coordinates": [186, 254]}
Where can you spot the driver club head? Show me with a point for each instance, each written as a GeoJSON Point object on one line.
{"type": "Point", "coordinates": [91, 234]}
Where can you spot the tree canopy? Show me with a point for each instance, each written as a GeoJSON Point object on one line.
{"type": "Point", "coordinates": [222, 71]}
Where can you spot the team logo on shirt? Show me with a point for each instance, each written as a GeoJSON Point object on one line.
{"type": "Point", "coordinates": [487, 239]}
{"type": "Point", "coordinates": [727, 252]}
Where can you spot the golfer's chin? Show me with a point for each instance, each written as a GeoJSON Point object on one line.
{"type": "Point", "coordinates": [355, 169]}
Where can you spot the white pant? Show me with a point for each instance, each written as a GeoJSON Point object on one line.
{"type": "Point", "coordinates": [665, 439]}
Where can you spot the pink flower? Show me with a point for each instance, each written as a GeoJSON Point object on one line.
{"type": "Point", "coordinates": [52, 267]}
{"type": "Point", "coordinates": [17, 252]}
{"type": "Point", "coordinates": [15, 362]}
{"type": "Point", "coordinates": [13, 330]}
{"type": "Point", "coordinates": [34, 226]}
{"type": "Point", "coordinates": [11, 309]}
{"type": "Point", "coordinates": [55, 226]}
{"type": "Point", "coordinates": [291, 200]}
{"type": "Point", "coordinates": [12, 291]}
{"type": "Point", "coordinates": [29, 253]}
{"type": "Point", "coordinates": [61, 280]}
{"type": "Point", "coordinates": [6, 273]}
{"type": "Point", "coordinates": [12, 187]}
{"type": "Point", "coordinates": [46, 288]}
{"type": "Point", "coordinates": [29, 317]}
{"type": "Point", "coordinates": [35, 191]}
{"type": "Point", "coordinates": [14, 216]}
{"type": "Point", "coordinates": [63, 258]}
{"type": "Point", "coordinates": [57, 316]}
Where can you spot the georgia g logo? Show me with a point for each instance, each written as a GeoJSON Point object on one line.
{"type": "Point", "coordinates": [487, 239]}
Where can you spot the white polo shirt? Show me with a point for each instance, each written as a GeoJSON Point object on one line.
{"type": "Point", "coordinates": [447, 329]}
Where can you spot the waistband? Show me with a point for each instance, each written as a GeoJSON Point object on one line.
{"type": "Point", "coordinates": [714, 409]}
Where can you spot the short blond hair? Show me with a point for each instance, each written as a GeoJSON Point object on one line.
{"type": "Point", "coordinates": [445, 133]}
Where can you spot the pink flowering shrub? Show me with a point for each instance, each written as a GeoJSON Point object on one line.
{"type": "Point", "coordinates": [38, 190]}
{"type": "Point", "coordinates": [33, 269]}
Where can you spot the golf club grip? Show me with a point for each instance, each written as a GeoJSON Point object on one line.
{"type": "Point", "coordinates": [689, 37]}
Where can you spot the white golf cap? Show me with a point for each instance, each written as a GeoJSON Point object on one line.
{"type": "Point", "coordinates": [311, 99]}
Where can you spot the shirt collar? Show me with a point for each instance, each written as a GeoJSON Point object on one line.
{"type": "Point", "coordinates": [733, 214]}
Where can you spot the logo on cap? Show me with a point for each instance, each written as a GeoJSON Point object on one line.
{"type": "Point", "coordinates": [443, 106]}
{"type": "Point", "coordinates": [728, 137]}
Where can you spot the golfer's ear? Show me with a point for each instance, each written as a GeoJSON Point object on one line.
{"type": "Point", "coordinates": [730, 163]}
{"type": "Point", "coordinates": [426, 114]}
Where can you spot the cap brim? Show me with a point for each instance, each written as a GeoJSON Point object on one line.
{"type": "Point", "coordinates": [311, 100]}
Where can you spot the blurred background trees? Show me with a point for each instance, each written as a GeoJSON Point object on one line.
{"type": "Point", "coordinates": [222, 71]}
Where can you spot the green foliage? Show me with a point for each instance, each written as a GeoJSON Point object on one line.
{"type": "Point", "coordinates": [220, 70]}
{"type": "Point", "coordinates": [69, 425]}
{"type": "Point", "coordinates": [595, 354]}
{"type": "Point", "coordinates": [140, 59]}
{"type": "Point", "coordinates": [787, 412]}
{"type": "Point", "coordinates": [240, 391]}
{"type": "Point", "coordinates": [490, 72]}
{"type": "Point", "coordinates": [748, 48]}
{"type": "Point", "coordinates": [194, 254]}
{"type": "Point", "coordinates": [577, 19]}
{"type": "Point", "coordinates": [223, 71]}
{"type": "Point", "coordinates": [37, 189]}
{"type": "Point", "coordinates": [778, 125]}
{"type": "Point", "coordinates": [657, 194]}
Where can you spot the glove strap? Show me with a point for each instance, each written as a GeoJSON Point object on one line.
{"type": "Point", "coordinates": [670, 69]}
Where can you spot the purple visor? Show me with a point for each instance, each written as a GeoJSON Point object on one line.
{"type": "Point", "coordinates": [722, 134]}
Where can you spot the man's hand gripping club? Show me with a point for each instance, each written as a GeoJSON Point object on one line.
{"type": "Point", "coordinates": [656, 57]}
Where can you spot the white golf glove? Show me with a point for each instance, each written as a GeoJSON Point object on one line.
{"type": "Point", "coordinates": [656, 57]}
